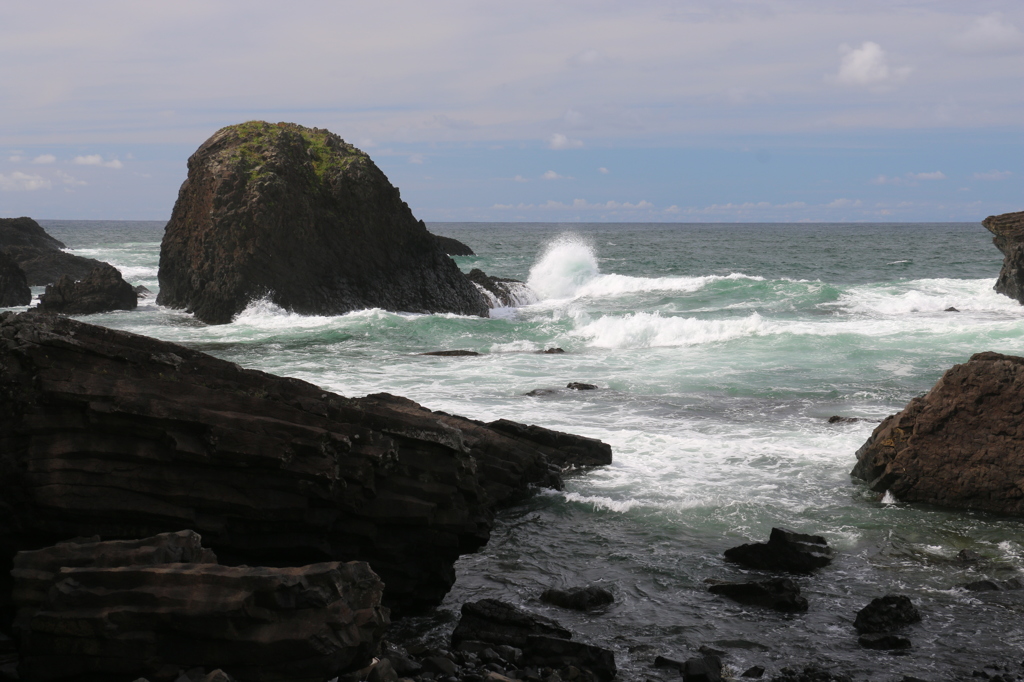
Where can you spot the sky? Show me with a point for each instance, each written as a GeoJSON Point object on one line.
{"type": "Point", "coordinates": [640, 111]}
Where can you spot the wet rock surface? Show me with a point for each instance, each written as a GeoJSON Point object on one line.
{"type": "Point", "coordinates": [885, 614]}
{"type": "Point", "coordinates": [101, 291]}
{"type": "Point", "coordinates": [784, 551]}
{"type": "Point", "coordinates": [501, 292]}
{"type": "Point", "coordinates": [780, 594]}
{"type": "Point", "coordinates": [1008, 236]}
{"type": "Point", "coordinates": [579, 598]}
{"type": "Point", "coordinates": [14, 289]}
{"type": "Point", "coordinates": [959, 444]}
{"type": "Point", "coordinates": [113, 434]}
{"type": "Point", "coordinates": [300, 217]}
{"type": "Point", "coordinates": [38, 254]}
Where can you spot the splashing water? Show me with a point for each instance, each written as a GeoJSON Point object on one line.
{"type": "Point", "coordinates": [568, 263]}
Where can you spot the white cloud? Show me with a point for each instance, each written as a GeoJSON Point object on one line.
{"type": "Point", "coordinates": [44, 158]}
{"type": "Point", "coordinates": [14, 159]}
{"type": "Point", "coordinates": [552, 175]}
{"type": "Point", "coordinates": [843, 203]}
{"type": "Point", "coordinates": [96, 160]}
{"type": "Point", "coordinates": [587, 58]}
{"type": "Point", "coordinates": [603, 171]}
{"type": "Point", "coordinates": [416, 158]}
{"type": "Point", "coordinates": [867, 65]}
{"type": "Point", "coordinates": [990, 34]}
{"type": "Point", "coordinates": [993, 175]}
{"type": "Point", "coordinates": [68, 179]}
{"type": "Point", "coordinates": [909, 179]}
{"type": "Point", "coordinates": [933, 175]}
{"type": "Point", "coordinates": [21, 182]}
{"type": "Point", "coordinates": [560, 141]}
{"type": "Point", "coordinates": [580, 205]}
{"type": "Point", "coordinates": [519, 178]}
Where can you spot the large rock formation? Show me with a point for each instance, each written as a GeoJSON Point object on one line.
{"type": "Point", "coordinates": [300, 217]}
{"type": "Point", "coordinates": [102, 290]}
{"type": "Point", "coordinates": [957, 446]}
{"type": "Point", "coordinates": [453, 247]}
{"type": "Point", "coordinates": [14, 288]}
{"type": "Point", "coordinates": [1008, 229]}
{"type": "Point", "coordinates": [38, 254]}
{"type": "Point", "coordinates": [108, 433]}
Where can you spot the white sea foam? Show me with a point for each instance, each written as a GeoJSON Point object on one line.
{"type": "Point", "coordinates": [648, 330]}
{"type": "Point", "coordinates": [599, 502]}
{"type": "Point", "coordinates": [927, 296]}
{"type": "Point", "coordinates": [132, 273]}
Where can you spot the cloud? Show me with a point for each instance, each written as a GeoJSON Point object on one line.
{"type": "Point", "coordinates": [21, 182]}
{"type": "Point", "coordinates": [603, 171]}
{"type": "Point", "coordinates": [519, 178]}
{"type": "Point", "coordinates": [560, 141]}
{"type": "Point", "coordinates": [990, 34]}
{"type": "Point", "coordinates": [68, 179]}
{"type": "Point", "coordinates": [14, 159]}
{"type": "Point", "coordinates": [843, 203]}
{"type": "Point", "coordinates": [44, 158]}
{"type": "Point", "coordinates": [867, 65]}
{"type": "Point", "coordinates": [96, 160]}
{"type": "Point", "coordinates": [909, 179]}
{"type": "Point", "coordinates": [934, 175]}
{"type": "Point", "coordinates": [416, 158]}
{"type": "Point", "coordinates": [587, 58]}
{"type": "Point", "coordinates": [993, 175]}
{"type": "Point", "coordinates": [552, 175]}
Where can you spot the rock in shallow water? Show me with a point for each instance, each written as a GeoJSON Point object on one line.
{"type": "Point", "coordinates": [299, 217]}
{"type": "Point", "coordinates": [39, 255]}
{"type": "Point", "coordinates": [784, 551]}
{"type": "Point", "coordinates": [780, 594]}
{"type": "Point", "coordinates": [885, 614]}
{"type": "Point", "coordinates": [101, 291]}
{"type": "Point", "coordinates": [578, 598]}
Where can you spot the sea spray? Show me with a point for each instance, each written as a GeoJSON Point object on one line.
{"type": "Point", "coordinates": [567, 263]}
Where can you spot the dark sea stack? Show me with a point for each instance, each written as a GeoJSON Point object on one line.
{"type": "Point", "coordinates": [14, 288]}
{"type": "Point", "coordinates": [1008, 231]}
{"type": "Point", "coordinates": [300, 217]}
{"type": "Point", "coordinates": [957, 446]}
{"type": "Point", "coordinates": [453, 247]}
{"type": "Point", "coordinates": [38, 254]}
{"type": "Point", "coordinates": [108, 433]}
{"type": "Point", "coordinates": [784, 551]}
{"type": "Point", "coordinates": [101, 291]}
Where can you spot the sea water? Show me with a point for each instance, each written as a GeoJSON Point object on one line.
{"type": "Point", "coordinates": [720, 352]}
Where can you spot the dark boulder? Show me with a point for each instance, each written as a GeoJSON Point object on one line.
{"type": "Point", "coordinates": [885, 614]}
{"type": "Point", "coordinates": [452, 353]}
{"type": "Point", "coordinates": [38, 254]}
{"type": "Point", "coordinates": [452, 246]}
{"type": "Point", "coordinates": [544, 651]}
{"type": "Point", "coordinates": [702, 669]}
{"type": "Point", "coordinates": [784, 551]}
{"type": "Point", "coordinates": [1008, 231]}
{"type": "Point", "coordinates": [994, 585]}
{"type": "Point", "coordinates": [108, 433]}
{"type": "Point", "coordinates": [580, 386]}
{"type": "Point", "coordinates": [496, 622]}
{"type": "Point", "coordinates": [578, 598]}
{"type": "Point", "coordinates": [14, 289]}
{"type": "Point", "coordinates": [884, 640]}
{"type": "Point", "coordinates": [780, 594]}
{"type": "Point", "coordinates": [501, 292]}
{"type": "Point", "coordinates": [101, 291]}
{"type": "Point", "coordinates": [300, 217]}
{"type": "Point", "coordinates": [550, 351]}
{"type": "Point", "coordinates": [958, 445]}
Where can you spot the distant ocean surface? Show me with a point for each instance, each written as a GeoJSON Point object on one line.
{"type": "Point", "coordinates": [720, 350]}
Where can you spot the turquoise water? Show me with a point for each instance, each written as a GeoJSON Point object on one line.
{"type": "Point", "coordinates": [720, 352]}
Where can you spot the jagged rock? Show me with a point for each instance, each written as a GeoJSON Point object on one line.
{"type": "Point", "coordinates": [452, 353]}
{"type": "Point", "coordinates": [579, 386]}
{"type": "Point", "coordinates": [495, 622]}
{"type": "Point", "coordinates": [452, 246]}
{"type": "Point", "coordinates": [108, 433]}
{"type": "Point", "coordinates": [958, 445]}
{"type": "Point", "coordinates": [554, 652]}
{"type": "Point", "coordinates": [784, 551]}
{"type": "Point", "coordinates": [578, 598]}
{"type": "Point", "coordinates": [102, 290]}
{"type": "Point", "coordinates": [501, 292]}
{"type": "Point", "coordinates": [38, 254]}
{"type": "Point", "coordinates": [298, 216]}
{"type": "Point", "coordinates": [780, 594]}
{"type": "Point", "coordinates": [885, 614]}
{"type": "Point", "coordinates": [1008, 231]}
{"type": "Point", "coordinates": [265, 624]}
{"type": "Point", "coordinates": [14, 288]}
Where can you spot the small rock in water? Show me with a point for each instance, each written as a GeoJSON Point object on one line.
{"type": "Point", "coordinates": [883, 640]}
{"type": "Point", "coordinates": [968, 556]}
{"type": "Point", "coordinates": [885, 614]}
{"type": "Point", "coordinates": [578, 598]}
{"type": "Point", "coordinates": [549, 351]}
{"type": "Point", "coordinates": [784, 551]}
{"type": "Point", "coordinates": [665, 662]}
{"type": "Point", "coordinates": [541, 391]}
{"type": "Point", "coordinates": [702, 669]}
{"type": "Point", "coordinates": [951, 309]}
{"type": "Point", "coordinates": [577, 386]}
{"type": "Point", "coordinates": [836, 419]}
{"type": "Point", "coordinates": [451, 353]}
{"type": "Point", "coordinates": [781, 594]}
{"type": "Point", "coordinates": [756, 671]}
{"type": "Point", "coordinates": [993, 585]}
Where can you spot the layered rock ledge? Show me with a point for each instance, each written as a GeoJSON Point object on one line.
{"type": "Point", "coordinates": [300, 217]}
{"type": "Point", "coordinates": [1008, 236]}
{"type": "Point", "coordinates": [108, 433]}
{"type": "Point", "coordinates": [960, 445]}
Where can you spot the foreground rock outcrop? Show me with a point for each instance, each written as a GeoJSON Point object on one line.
{"type": "Point", "coordinates": [14, 289]}
{"type": "Point", "coordinates": [298, 216]}
{"type": "Point", "coordinates": [38, 254]}
{"type": "Point", "coordinates": [957, 446]}
{"type": "Point", "coordinates": [101, 291]}
{"type": "Point", "coordinates": [108, 433]}
{"type": "Point", "coordinates": [1008, 231]}
{"type": "Point", "coordinates": [162, 605]}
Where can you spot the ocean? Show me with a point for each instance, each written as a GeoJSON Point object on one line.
{"type": "Point", "coordinates": [720, 352]}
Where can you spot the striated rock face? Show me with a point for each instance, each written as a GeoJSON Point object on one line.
{"type": "Point", "coordinates": [1008, 229]}
{"type": "Point", "coordinates": [262, 624]}
{"type": "Point", "coordinates": [300, 217]}
{"type": "Point", "coordinates": [14, 288]}
{"type": "Point", "coordinates": [957, 446]}
{"type": "Point", "coordinates": [102, 290]}
{"type": "Point", "coordinates": [38, 254]}
{"type": "Point", "coordinates": [113, 434]}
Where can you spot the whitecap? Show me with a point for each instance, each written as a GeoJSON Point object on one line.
{"type": "Point", "coordinates": [648, 330]}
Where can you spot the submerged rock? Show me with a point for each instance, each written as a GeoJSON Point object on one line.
{"type": "Point", "coordinates": [578, 598]}
{"type": "Point", "coordinates": [501, 292]}
{"type": "Point", "coordinates": [102, 290]}
{"type": "Point", "coordinates": [885, 614]}
{"type": "Point", "coordinates": [305, 220]}
{"type": "Point", "coordinates": [108, 433]}
{"type": "Point", "coordinates": [784, 551]}
{"type": "Point", "coordinates": [1008, 231]}
{"type": "Point", "coordinates": [580, 386]}
{"type": "Point", "coordinates": [14, 289]}
{"type": "Point", "coordinates": [780, 594]}
{"type": "Point", "coordinates": [39, 255]}
{"type": "Point", "coordinates": [957, 446]}
{"type": "Point", "coordinates": [452, 353]}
